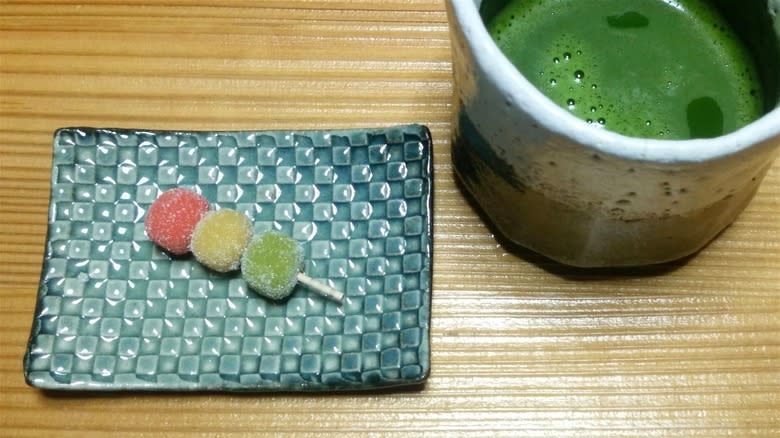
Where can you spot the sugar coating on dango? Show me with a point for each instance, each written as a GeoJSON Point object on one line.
{"type": "Point", "coordinates": [172, 217]}
{"type": "Point", "coordinates": [219, 239]}
{"type": "Point", "coordinates": [271, 263]}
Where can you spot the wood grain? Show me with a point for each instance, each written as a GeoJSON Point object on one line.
{"type": "Point", "coordinates": [521, 346]}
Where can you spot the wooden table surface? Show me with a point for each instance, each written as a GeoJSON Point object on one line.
{"type": "Point", "coordinates": [520, 346]}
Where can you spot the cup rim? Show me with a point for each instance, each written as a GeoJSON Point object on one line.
{"type": "Point", "coordinates": [521, 93]}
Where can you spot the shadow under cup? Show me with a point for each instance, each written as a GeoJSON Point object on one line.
{"type": "Point", "coordinates": [589, 197]}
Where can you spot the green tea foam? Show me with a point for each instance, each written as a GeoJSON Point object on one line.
{"type": "Point", "coordinates": [644, 68]}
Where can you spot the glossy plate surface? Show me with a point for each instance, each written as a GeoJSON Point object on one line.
{"type": "Point", "coordinates": [116, 313]}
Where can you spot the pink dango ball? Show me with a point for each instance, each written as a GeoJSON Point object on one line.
{"type": "Point", "coordinates": [172, 217]}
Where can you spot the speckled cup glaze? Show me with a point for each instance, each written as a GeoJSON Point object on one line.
{"type": "Point", "coordinates": [589, 197]}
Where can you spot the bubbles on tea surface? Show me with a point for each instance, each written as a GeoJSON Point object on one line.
{"type": "Point", "coordinates": [563, 79]}
{"type": "Point", "coordinates": [570, 50]}
{"type": "Point", "coordinates": [602, 121]}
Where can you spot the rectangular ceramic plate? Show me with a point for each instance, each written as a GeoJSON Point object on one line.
{"type": "Point", "coordinates": [116, 313]}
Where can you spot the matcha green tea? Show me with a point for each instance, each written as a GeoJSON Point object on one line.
{"type": "Point", "coordinates": [645, 68]}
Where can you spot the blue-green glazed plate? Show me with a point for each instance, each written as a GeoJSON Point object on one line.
{"type": "Point", "coordinates": [114, 312]}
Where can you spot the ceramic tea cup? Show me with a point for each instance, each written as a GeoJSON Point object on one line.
{"type": "Point", "coordinates": [589, 197]}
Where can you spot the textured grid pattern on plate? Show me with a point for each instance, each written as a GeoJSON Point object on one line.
{"type": "Point", "coordinates": [116, 312]}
